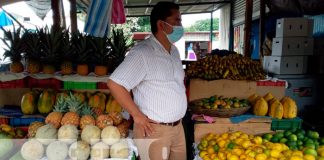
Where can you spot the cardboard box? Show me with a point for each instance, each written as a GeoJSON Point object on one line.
{"type": "Point", "coordinates": [292, 46]}
{"type": "Point", "coordinates": [286, 64]}
{"type": "Point", "coordinates": [319, 46]}
{"type": "Point", "coordinates": [294, 27]}
{"type": "Point", "coordinates": [232, 88]}
{"type": "Point", "coordinates": [255, 126]}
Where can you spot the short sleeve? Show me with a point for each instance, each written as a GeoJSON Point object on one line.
{"type": "Point", "coordinates": [131, 71]}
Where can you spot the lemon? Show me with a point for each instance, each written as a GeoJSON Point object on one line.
{"type": "Point", "coordinates": [275, 153]}
{"type": "Point", "coordinates": [246, 144]}
{"type": "Point", "coordinates": [309, 157]}
{"type": "Point", "coordinates": [221, 155]}
{"type": "Point", "coordinates": [257, 140]}
{"type": "Point", "coordinates": [233, 157]}
{"type": "Point", "coordinates": [261, 156]}
{"type": "Point", "coordinates": [221, 143]}
{"type": "Point", "coordinates": [202, 153]}
{"type": "Point", "coordinates": [321, 153]}
{"type": "Point", "coordinates": [237, 151]}
{"type": "Point", "coordinates": [297, 153]}
{"type": "Point", "coordinates": [296, 158]}
{"type": "Point", "coordinates": [278, 147]}
{"type": "Point", "coordinates": [224, 135]}
{"type": "Point", "coordinates": [210, 150]}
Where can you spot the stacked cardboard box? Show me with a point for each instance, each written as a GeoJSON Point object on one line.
{"type": "Point", "coordinates": [291, 47]}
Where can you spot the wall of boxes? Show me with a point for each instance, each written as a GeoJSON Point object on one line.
{"type": "Point", "coordinates": [294, 49]}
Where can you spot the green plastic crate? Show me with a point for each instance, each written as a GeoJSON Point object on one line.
{"type": "Point", "coordinates": [286, 124]}
{"type": "Point", "coordinates": [79, 85]}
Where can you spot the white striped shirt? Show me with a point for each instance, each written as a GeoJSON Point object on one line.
{"type": "Point", "coordinates": [156, 79]}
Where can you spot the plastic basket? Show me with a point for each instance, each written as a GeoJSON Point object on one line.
{"type": "Point", "coordinates": [44, 83]}
{"type": "Point", "coordinates": [24, 121]}
{"type": "Point", "coordinates": [20, 83]}
{"type": "Point", "coordinates": [79, 85]}
{"type": "Point", "coordinates": [11, 112]}
{"type": "Point", "coordinates": [286, 124]}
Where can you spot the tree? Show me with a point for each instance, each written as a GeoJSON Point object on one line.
{"type": "Point", "coordinates": [144, 24]}
{"type": "Point", "coordinates": [203, 25]}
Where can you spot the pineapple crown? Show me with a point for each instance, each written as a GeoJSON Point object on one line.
{"type": "Point", "coordinates": [33, 44]}
{"type": "Point", "coordinates": [86, 110]}
{"type": "Point", "coordinates": [82, 45]}
{"type": "Point", "coordinates": [100, 50]}
{"type": "Point", "coordinates": [15, 47]}
{"type": "Point", "coordinates": [60, 105]}
{"type": "Point", "coordinates": [74, 103]}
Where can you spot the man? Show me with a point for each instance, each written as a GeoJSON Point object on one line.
{"type": "Point", "coordinates": [153, 72]}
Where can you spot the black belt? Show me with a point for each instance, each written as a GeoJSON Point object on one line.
{"type": "Point", "coordinates": [172, 123]}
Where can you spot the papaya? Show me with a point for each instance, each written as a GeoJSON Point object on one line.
{"type": "Point", "coordinates": [112, 105]}
{"type": "Point", "coordinates": [268, 97]}
{"type": "Point", "coordinates": [261, 107]}
{"type": "Point", "coordinates": [289, 108]}
{"type": "Point", "coordinates": [276, 109]}
{"type": "Point", "coordinates": [29, 103]}
{"type": "Point", "coordinates": [98, 100]}
{"type": "Point", "coordinates": [46, 102]}
{"type": "Point", "coordinates": [81, 96]}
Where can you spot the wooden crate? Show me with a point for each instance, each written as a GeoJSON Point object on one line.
{"type": "Point", "coordinates": [254, 126]}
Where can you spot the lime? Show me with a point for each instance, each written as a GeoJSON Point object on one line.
{"type": "Point", "coordinates": [283, 140]}
{"type": "Point", "coordinates": [292, 137]}
{"type": "Point", "coordinates": [310, 141]}
{"type": "Point", "coordinates": [287, 133]}
{"type": "Point", "coordinates": [301, 131]}
{"type": "Point", "coordinates": [300, 148]}
{"type": "Point", "coordinates": [291, 144]}
{"type": "Point", "coordinates": [275, 139]}
{"type": "Point", "coordinates": [279, 135]}
{"type": "Point", "coordinates": [216, 148]}
{"type": "Point", "coordinates": [310, 145]}
{"type": "Point", "coordinates": [300, 142]}
{"type": "Point", "coordinates": [321, 141]}
{"type": "Point", "coordinates": [267, 136]}
{"type": "Point", "coordinates": [294, 130]}
{"type": "Point", "coordinates": [300, 136]}
{"type": "Point", "coordinates": [312, 134]}
{"type": "Point", "coordinates": [310, 151]}
{"type": "Point", "coordinates": [293, 148]}
{"type": "Point", "coordinates": [231, 145]}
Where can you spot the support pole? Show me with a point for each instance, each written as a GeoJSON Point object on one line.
{"type": "Point", "coordinates": [56, 13]}
{"type": "Point", "coordinates": [261, 25]}
{"type": "Point", "coordinates": [73, 16]}
{"type": "Point", "coordinates": [211, 31]}
{"type": "Point", "coordinates": [248, 27]}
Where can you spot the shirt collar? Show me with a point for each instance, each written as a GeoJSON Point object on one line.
{"type": "Point", "coordinates": [158, 46]}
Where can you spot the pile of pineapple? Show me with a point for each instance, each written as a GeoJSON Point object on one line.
{"type": "Point", "coordinates": [78, 131]}
{"type": "Point", "coordinates": [50, 50]}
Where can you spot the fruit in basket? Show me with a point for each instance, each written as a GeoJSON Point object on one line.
{"type": "Point", "coordinates": [46, 102]}
{"type": "Point", "coordinates": [46, 134]}
{"type": "Point", "coordinates": [123, 127]}
{"type": "Point", "coordinates": [268, 97]}
{"type": "Point", "coordinates": [290, 107]}
{"type": "Point", "coordinates": [33, 128]}
{"type": "Point", "coordinates": [57, 151]}
{"type": "Point", "coordinates": [110, 135]}
{"type": "Point", "coordinates": [87, 117]}
{"type": "Point", "coordinates": [98, 100]}
{"type": "Point", "coordinates": [276, 110]}
{"type": "Point", "coordinates": [99, 151]}
{"type": "Point", "coordinates": [32, 150]}
{"type": "Point", "coordinates": [79, 150]}
{"type": "Point", "coordinates": [29, 103]}
{"type": "Point", "coordinates": [74, 105]}
{"type": "Point", "coordinates": [68, 134]}
{"type": "Point", "coordinates": [103, 121]}
{"type": "Point", "coordinates": [116, 117]}
{"type": "Point", "coordinates": [112, 105]}
{"type": "Point", "coordinates": [119, 150]}
{"type": "Point", "coordinates": [91, 134]}
{"type": "Point", "coordinates": [261, 107]}
{"type": "Point", "coordinates": [55, 117]}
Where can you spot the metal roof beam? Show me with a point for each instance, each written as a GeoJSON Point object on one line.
{"type": "Point", "coordinates": [180, 4]}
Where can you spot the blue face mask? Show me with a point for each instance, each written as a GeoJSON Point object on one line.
{"type": "Point", "coordinates": [176, 34]}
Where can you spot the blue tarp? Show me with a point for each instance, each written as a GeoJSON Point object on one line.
{"type": "Point", "coordinates": [4, 19]}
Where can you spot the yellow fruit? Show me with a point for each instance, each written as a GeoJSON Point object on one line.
{"type": "Point", "coordinates": [321, 153]}
{"type": "Point", "coordinates": [275, 153]}
{"type": "Point", "coordinates": [237, 151]}
{"type": "Point", "coordinates": [257, 140]}
{"type": "Point", "coordinates": [261, 107]}
{"type": "Point", "coordinates": [221, 143]}
{"type": "Point", "coordinates": [202, 153]}
{"type": "Point", "coordinates": [210, 150]}
{"type": "Point", "coordinates": [253, 98]}
{"type": "Point", "coordinates": [297, 153]}
{"type": "Point", "coordinates": [309, 157]}
{"type": "Point", "coordinates": [29, 103]}
{"type": "Point", "coordinates": [224, 135]}
{"type": "Point", "coordinates": [221, 155]}
{"type": "Point", "coordinates": [276, 110]}
{"type": "Point", "coordinates": [246, 144]}
{"type": "Point", "coordinates": [268, 97]}
{"type": "Point", "coordinates": [289, 108]}
{"type": "Point", "coordinates": [296, 158]}
{"type": "Point", "coordinates": [233, 157]}
{"type": "Point", "coordinates": [278, 147]}
{"type": "Point", "coordinates": [261, 156]}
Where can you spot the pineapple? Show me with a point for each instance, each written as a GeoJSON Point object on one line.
{"type": "Point", "coordinates": [55, 117]}
{"type": "Point", "coordinates": [87, 117]}
{"type": "Point", "coordinates": [101, 55]}
{"type": "Point", "coordinates": [33, 128]}
{"type": "Point", "coordinates": [14, 49]}
{"type": "Point", "coordinates": [116, 117]}
{"type": "Point", "coordinates": [81, 43]}
{"type": "Point", "coordinates": [123, 127]}
{"type": "Point", "coordinates": [103, 121]}
{"type": "Point", "coordinates": [67, 68]}
{"type": "Point", "coordinates": [72, 117]}
{"type": "Point", "coordinates": [33, 66]}
{"type": "Point", "coordinates": [33, 51]}
{"type": "Point", "coordinates": [97, 111]}
{"type": "Point", "coordinates": [48, 69]}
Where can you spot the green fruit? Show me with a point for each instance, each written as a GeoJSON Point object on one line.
{"type": "Point", "coordinates": [274, 139]}
{"type": "Point", "coordinates": [300, 148]}
{"type": "Point", "coordinates": [310, 151]}
{"type": "Point", "coordinates": [267, 136]}
{"type": "Point", "coordinates": [310, 141]}
{"type": "Point", "coordinates": [279, 135]}
{"type": "Point", "coordinates": [310, 145]}
{"type": "Point", "coordinates": [231, 145]}
{"type": "Point", "coordinates": [300, 143]}
{"type": "Point", "coordinates": [300, 136]}
{"type": "Point", "coordinates": [216, 148]}
{"type": "Point", "coordinates": [301, 131]}
{"type": "Point", "coordinates": [291, 144]}
{"type": "Point", "coordinates": [321, 141]}
{"type": "Point", "coordinates": [312, 134]}
{"type": "Point", "coordinates": [294, 130]}
{"type": "Point", "coordinates": [283, 140]}
{"type": "Point", "coordinates": [292, 137]}
{"type": "Point", "coordinates": [287, 133]}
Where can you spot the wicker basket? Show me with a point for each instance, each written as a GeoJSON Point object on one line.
{"type": "Point", "coordinates": [220, 112]}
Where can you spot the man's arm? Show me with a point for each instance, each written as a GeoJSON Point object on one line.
{"type": "Point", "coordinates": [123, 97]}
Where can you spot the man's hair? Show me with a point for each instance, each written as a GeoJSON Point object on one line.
{"type": "Point", "coordinates": [161, 11]}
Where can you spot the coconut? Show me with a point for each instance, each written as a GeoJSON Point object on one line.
{"type": "Point", "coordinates": [110, 135]}
{"type": "Point", "coordinates": [46, 134]}
{"type": "Point", "coordinates": [32, 150]}
{"type": "Point", "coordinates": [91, 134]}
{"type": "Point", "coordinates": [57, 151]}
{"type": "Point", "coordinates": [99, 151]}
{"type": "Point", "coordinates": [68, 134]}
{"type": "Point", "coordinates": [79, 150]}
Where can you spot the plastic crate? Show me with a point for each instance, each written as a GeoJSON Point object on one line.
{"type": "Point", "coordinates": [102, 85]}
{"type": "Point", "coordinates": [44, 83]}
{"type": "Point", "coordinates": [286, 124]}
{"type": "Point", "coordinates": [79, 85]}
{"type": "Point", "coordinates": [4, 120]}
{"type": "Point", "coordinates": [24, 121]}
{"type": "Point", "coordinates": [11, 112]}
{"type": "Point", "coordinates": [20, 83]}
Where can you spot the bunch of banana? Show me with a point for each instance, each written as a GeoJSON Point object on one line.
{"type": "Point", "coordinates": [234, 67]}
{"type": "Point", "coordinates": [8, 130]}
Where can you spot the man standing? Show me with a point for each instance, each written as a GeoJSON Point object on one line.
{"type": "Point", "coordinates": [153, 72]}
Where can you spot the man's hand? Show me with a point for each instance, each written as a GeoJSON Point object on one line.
{"type": "Point", "coordinates": [144, 123]}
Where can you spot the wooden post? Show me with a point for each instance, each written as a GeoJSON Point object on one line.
{"type": "Point", "coordinates": [248, 27]}
{"type": "Point", "coordinates": [211, 30]}
{"type": "Point", "coordinates": [261, 25]}
{"type": "Point", "coordinates": [56, 13]}
{"type": "Point", "coordinates": [73, 16]}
